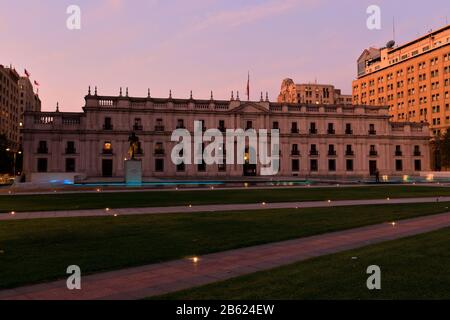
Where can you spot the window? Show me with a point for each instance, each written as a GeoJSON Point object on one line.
{"type": "Point", "coordinates": [349, 150]}
{"type": "Point", "coordinates": [398, 165]}
{"type": "Point", "coordinates": [159, 165]}
{"type": "Point", "coordinates": [159, 148]}
{"type": "Point", "coordinates": [107, 125]}
{"type": "Point", "coordinates": [372, 129]}
{"type": "Point", "coordinates": [331, 128]}
{"type": "Point", "coordinates": [275, 125]}
{"type": "Point", "coordinates": [295, 151]}
{"type": "Point", "coordinates": [349, 164]}
{"type": "Point", "coordinates": [312, 128]}
{"type": "Point", "coordinates": [331, 165]}
{"type": "Point", "coordinates": [201, 167]}
{"type": "Point", "coordinates": [70, 148]}
{"type": "Point", "coordinates": [137, 124]}
{"type": "Point", "coordinates": [398, 151]}
{"type": "Point", "coordinates": [295, 165]}
{"type": "Point", "coordinates": [42, 165]}
{"type": "Point", "coordinates": [249, 125]}
{"type": "Point", "coordinates": [417, 165]}
{"type": "Point", "coordinates": [180, 124]}
{"type": "Point", "coordinates": [373, 150]}
{"type": "Point", "coordinates": [313, 151]}
{"type": "Point", "coordinates": [42, 148]}
{"type": "Point", "coordinates": [331, 150]}
{"type": "Point", "coordinates": [314, 165]}
{"type": "Point", "coordinates": [107, 148]}
{"type": "Point", "coordinates": [70, 165]}
{"type": "Point", "coordinates": [159, 126]}
{"type": "Point", "coordinates": [294, 127]}
{"type": "Point", "coordinates": [417, 151]}
{"type": "Point", "coordinates": [348, 128]}
{"type": "Point", "coordinates": [222, 125]}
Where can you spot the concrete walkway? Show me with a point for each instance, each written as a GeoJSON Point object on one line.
{"type": "Point", "coordinates": [157, 279]}
{"type": "Point", "coordinates": [212, 208]}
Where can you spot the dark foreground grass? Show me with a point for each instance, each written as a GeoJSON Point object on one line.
{"type": "Point", "coordinates": [172, 198]}
{"type": "Point", "coordinates": [411, 268]}
{"type": "Point", "coordinates": [39, 250]}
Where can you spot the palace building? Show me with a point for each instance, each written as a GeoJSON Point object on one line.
{"type": "Point", "coordinates": [413, 79]}
{"type": "Point", "coordinates": [316, 140]}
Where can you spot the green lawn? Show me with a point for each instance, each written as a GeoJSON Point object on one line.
{"type": "Point", "coordinates": [170, 198]}
{"type": "Point", "coordinates": [411, 268]}
{"type": "Point", "coordinates": [41, 249]}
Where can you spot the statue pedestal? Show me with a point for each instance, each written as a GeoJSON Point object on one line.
{"type": "Point", "coordinates": [133, 172]}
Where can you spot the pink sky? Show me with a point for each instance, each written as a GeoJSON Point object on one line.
{"type": "Point", "coordinates": [198, 45]}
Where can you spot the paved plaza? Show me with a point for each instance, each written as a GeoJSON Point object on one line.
{"type": "Point", "coordinates": [158, 279]}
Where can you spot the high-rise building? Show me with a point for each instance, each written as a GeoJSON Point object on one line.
{"type": "Point", "coordinates": [311, 93]}
{"type": "Point", "coordinates": [16, 97]}
{"type": "Point", "coordinates": [9, 106]}
{"type": "Point", "coordinates": [413, 79]}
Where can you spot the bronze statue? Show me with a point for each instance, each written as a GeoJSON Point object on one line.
{"type": "Point", "coordinates": [134, 146]}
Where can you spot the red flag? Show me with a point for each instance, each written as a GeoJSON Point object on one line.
{"type": "Point", "coordinates": [36, 83]}
{"type": "Point", "coordinates": [248, 87]}
{"type": "Point", "coordinates": [27, 73]}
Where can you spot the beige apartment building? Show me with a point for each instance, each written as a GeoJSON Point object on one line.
{"type": "Point", "coordinates": [413, 79]}
{"type": "Point", "coordinates": [316, 140]}
{"type": "Point", "coordinates": [311, 93]}
{"type": "Point", "coordinates": [9, 106]}
{"type": "Point", "coordinates": [16, 97]}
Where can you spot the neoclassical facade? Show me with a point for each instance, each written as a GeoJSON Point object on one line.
{"type": "Point", "coordinates": [316, 141]}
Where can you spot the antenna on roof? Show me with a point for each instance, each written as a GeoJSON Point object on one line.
{"type": "Point", "coordinates": [393, 28]}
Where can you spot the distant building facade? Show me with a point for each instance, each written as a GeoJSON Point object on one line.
{"type": "Point", "coordinates": [315, 140]}
{"type": "Point", "coordinates": [311, 93]}
{"type": "Point", "coordinates": [16, 97]}
{"type": "Point", "coordinates": [412, 79]}
{"type": "Point", "coordinates": [9, 106]}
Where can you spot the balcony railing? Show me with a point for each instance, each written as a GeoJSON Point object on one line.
{"type": "Point", "coordinates": [107, 151]}
{"type": "Point", "coordinates": [372, 132]}
{"type": "Point", "coordinates": [313, 153]}
{"type": "Point", "coordinates": [373, 153]}
{"type": "Point", "coordinates": [42, 150]}
{"type": "Point", "coordinates": [108, 127]}
{"type": "Point", "coordinates": [312, 131]}
{"type": "Point", "coordinates": [349, 153]}
{"type": "Point", "coordinates": [138, 127]}
{"type": "Point", "coordinates": [331, 131]}
{"type": "Point", "coordinates": [295, 152]}
{"type": "Point", "coordinates": [159, 128]}
{"type": "Point", "coordinates": [331, 152]}
{"type": "Point", "coordinates": [295, 130]}
{"type": "Point", "coordinates": [348, 131]}
{"type": "Point", "coordinates": [398, 153]}
{"type": "Point", "coordinates": [417, 153]}
{"type": "Point", "coordinates": [71, 151]}
{"type": "Point", "coordinates": [160, 152]}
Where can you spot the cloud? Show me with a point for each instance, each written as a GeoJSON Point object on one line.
{"type": "Point", "coordinates": [248, 14]}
